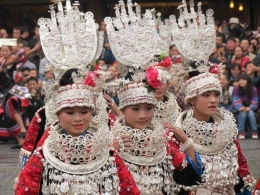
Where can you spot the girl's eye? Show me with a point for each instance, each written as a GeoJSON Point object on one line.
{"type": "Point", "coordinates": [84, 112]}
{"type": "Point", "coordinates": [69, 113]}
{"type": "Point", "coordinates": [205, 95]}
{"type": "Point", "coordinates": [135, 109]}
{"type": "Point", "coordinates": [150, 108]}
{"type": "Point", "coordinates": [217, 94]}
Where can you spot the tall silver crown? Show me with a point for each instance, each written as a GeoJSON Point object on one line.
{"type": "Point", "coordinates": [194, 34]}
{"type": "Point", "coordinates": [133, 38]}
{"type": "Point", "coordinates": [69, 38]}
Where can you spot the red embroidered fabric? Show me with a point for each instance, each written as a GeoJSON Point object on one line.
{"type": "Point", "coordinates": [127, 183]}
{"type": "Point", "coordinates": [30, 178]}
{"type": "Point", "coordinates": [31, 135]}
{"type": "Point", "coordinates": [173, 149]}
{"type": "Point", "coordinates": [243, 168]}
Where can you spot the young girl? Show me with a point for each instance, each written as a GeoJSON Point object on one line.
{"type": "Point", "coordinates": [144, 150]}
{"type": "Point", "coordinates": [227, 91]}
{"type": "Point", "coordinates": [214, 133]}
{"type": "Point", "coordinates": [245, 100]}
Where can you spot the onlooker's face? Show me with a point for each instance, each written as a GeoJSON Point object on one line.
{"type": "Point", "coordinates": [237, 42]}
{"type": "Point", "coordinates": [33, 73]}
{"type": "Point", "coordinates": [32, 85]}
{"type": "Point", "coordinates": [230, 45]}
{"type": "Point", "coordinates": [254, 42]}
{"type": "Point", "coordinates": [251, 49]}
{"type": "Point", "coordinates": [36, 32]}
{"type": "Point", "coordinates": [219, 40]}
{"type": "Point", "coordinates": [25, 35]}
{"type": "Point", "coordinates": [223, 81]}
{"type": "Point", "coordinates": [101, 62]}
{"type": "Point", "coordinates": [245, 45]}
{"type": "Point", "coordinates": [174, 51]}
{"type": "Point", "coordinates": [235, 84]}
{"type": "Point", "coordinates": [235, 72]}
{"type": "Point", "coordinates": [103, 26]}
{"type": "Point", "coordinates": [16, 34]}
{"type": "Point", "coordinates": [250, 68]}
{"type": "Point", "coordinates": [3, 33]}
{"type": "Point", "coordinates": [113, 71]}
{"type": "Point", "coordinates": [20, 46]}
{"type": "Point", "coordinates": [5, 51]}
{"type": "Point", "coordinates": [238, 52]}
{"type": "Point", "coordinates": [242, 83]}
{"type": "Point", "coordinates": [25, 75]}
{"type": "Point", "coordinates": [48, 75]}
{"type": "Point", "coordinates": [221, 52]}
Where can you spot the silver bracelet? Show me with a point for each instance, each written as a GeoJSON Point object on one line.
{"type": "Point", "coordinates": [186, 145]}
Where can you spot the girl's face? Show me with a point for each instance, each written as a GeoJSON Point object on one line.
{"type": "Point", "coordinates": [138, 116]}
{"type": "Point", "coordinates": [235, 72]}
{"type": "Point", "coordinates": [5, 51]}
{"type": "Point", "coordinates": [159, 93]}
{"type": "Point", "coordinates": [242, 83]}
{"type": "Point", "coordinates": [75, 120]}
{"type": "Point", "coordinates": [238, 52]}
{"type": "Point", "coordinates": [205, 105]}
{"type": "Point", "coordinates": [223, 81]}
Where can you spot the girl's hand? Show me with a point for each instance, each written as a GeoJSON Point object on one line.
{"type": "Point", "coordinates": [112, 105]}
{"type": "Point", "coordinates": [178, 132]}
{"type": "Point", "coordinates": [124, 142]}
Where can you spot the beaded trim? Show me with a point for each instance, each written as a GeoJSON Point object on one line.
{"type": "Point", "coordinates": [133, 94]}
{"type": "Point", "coordinates": [200, 84]}
{"type": "Point", "coordinates": [167, 112]}
{"type": "Point", "coordinates": [60, 150]}
{"type": "Point", "coordinates": [73, 95]}
{"type": "Point", "coordinates": [148, 144]}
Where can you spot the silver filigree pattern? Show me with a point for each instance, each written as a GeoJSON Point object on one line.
{"type": "Point", "coordinates": [148, 144]}
{"type": "Point", "coordinates": [216, 145]}
{"type": "Point", "coordinates": [69, 40]}
{"type": "Point", "coordinates": [194, 34]}
{"type": "Point", "coordinates": [167, 112]}
{"type": "Point", "coordinates": [134, 42]}
{"type": "Point", "coordinates": [83, 152]}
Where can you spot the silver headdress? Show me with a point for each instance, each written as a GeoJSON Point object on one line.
{"type": "Point", "coordinates": [195, 38]}
{"type": "Point", "coordinates": [70, 40]}
{"type": "Point", "coordinates": [134, 44]}
{"type": "Point", "coordinates": [194, 35]}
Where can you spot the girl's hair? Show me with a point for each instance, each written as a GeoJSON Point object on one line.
{"type": "Point", "coordinates": [248, 91]}
{"type": "Point", "coordinates": [66, 79]}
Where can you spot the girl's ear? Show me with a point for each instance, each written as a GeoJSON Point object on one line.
{"type": "Point", "coordinates": [192, 101]}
